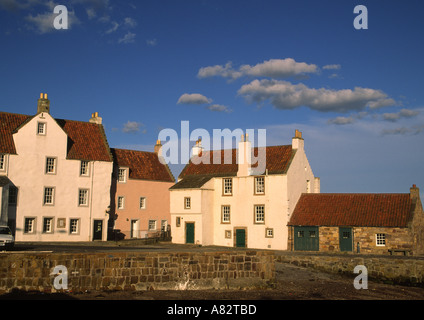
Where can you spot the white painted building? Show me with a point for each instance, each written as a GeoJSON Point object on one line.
{"type": "Point", "coordinates": [228, 205]}
{"type": "Point", "coordinates": [59, 176]}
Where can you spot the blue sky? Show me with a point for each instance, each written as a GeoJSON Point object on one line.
{"type": "Point", "coordinates": [357, 95]}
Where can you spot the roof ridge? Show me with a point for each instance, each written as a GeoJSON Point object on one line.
{"type": "Point", "coordinates": [124, 149]}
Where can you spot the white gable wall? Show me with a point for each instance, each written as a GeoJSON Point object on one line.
{"type": "Point", "coordinates": [27, 171]}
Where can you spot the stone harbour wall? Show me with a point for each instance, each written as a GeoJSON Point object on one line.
{"type": "Point", "coordinates": [392, 269]}
{"type": "Point", "coordinates": [137, 271]}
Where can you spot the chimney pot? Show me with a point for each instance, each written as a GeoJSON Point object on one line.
{"type": "Point", "coordinates": [95, 118]}
{"type": "Point", "coordinates": [43, 104]}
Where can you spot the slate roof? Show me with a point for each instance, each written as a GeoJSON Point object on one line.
{"type": "Point", "coordinates": [86, 141]}
{"type": "Point", "coordinates": [142, 165]}
{"type": "Point", "coordinates": [278, 159]}
{"type": "Point", "coordinates": [360, 210]}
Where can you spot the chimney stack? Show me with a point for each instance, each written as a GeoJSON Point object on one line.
{"type": "Point", "coordinates": [414, 192]}
{"type": "Point", "coordinates": [95, 118]}
{"type": "Point", "coordinates": [244, 156]}
{"type": "Point", "coordinates": [43, 104]}
{"type": "Point", "coordinates": [197, 149]}
{"type": "Point", "coordinates": [297, 141]}
{"type": "Point", "coordinates": [158, 146]}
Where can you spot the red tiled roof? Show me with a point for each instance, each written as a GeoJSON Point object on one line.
{"type": "Point", "coordinates": [278, 160]}
{"type": "Point", "coordinates": [143, 165]}
{"type": "Point", "coordinates": [362, 210]}
{"type": "Point", "coordinates": [86, 141]}
{"type": "Point", "coordinates": [8, 123]}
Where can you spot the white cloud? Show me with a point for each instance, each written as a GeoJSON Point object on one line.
{"type": "Point", "coordinates": [219, 108]}
{"type": "Point", "coordinates": [279, 68]}
{"type": "Point", "coordinates": [152, 42]}
{"type": "Point", "coordinates": [44, 22]}
{"type": "Point", "coordinates": [332, 67]}
{"type": "Point", "coordinates": [128, 38]}
{"type": "Point", "coordinates": [130, 22]}
{"type": "Point", "coordinates": [285, 95]}
{"type": "Point", "coordinates": [132, 127]}
{"type": "Point", "coordinates": [193, 98]}
{"type": "Point", "coordinates": [115, 26]}
{"type": "Point", "coordinates": [404, 113]}
{"type": "Point", "coordinates": [274, 68]}
{"type": "Point", "coordinates": [342, 120]}
{"type": "Point", "coordinates": [226, 71]}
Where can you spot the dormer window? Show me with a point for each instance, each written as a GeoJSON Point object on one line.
{"type": "Point", "coordinates": [41, 128]}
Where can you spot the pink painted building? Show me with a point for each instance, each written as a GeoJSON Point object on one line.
{"type": "Point", "coordinates": [140, 194]}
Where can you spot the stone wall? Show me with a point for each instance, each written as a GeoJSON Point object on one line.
{"type": "Point", "coordinates": [138, 271]}
{"type": "Point", "coordinates": [394, 269]}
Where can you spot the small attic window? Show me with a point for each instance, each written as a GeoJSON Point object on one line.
{"type": "Point", "coordinates": [41, 128]}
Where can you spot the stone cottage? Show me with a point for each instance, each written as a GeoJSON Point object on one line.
{"type": "Point", "coordinates": [364, 223]}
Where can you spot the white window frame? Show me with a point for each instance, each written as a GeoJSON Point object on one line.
{"type": "Point", "coordinates": [120, 203]}
{"type": "Point", "coordinates": [43, 127]}
{"type": "Point", "coordinates": [122, 175]}
{"type": "Point", "coordinates": [225, 214]}
{"type": "Point", "coordinates": [142, 203]}
{"type": "Point", "coordinates": [187, 202]}
{"type": "Point", "coordinates": [227, 186]}
{"type": "Point", "coordinates": [83, 196]}
{"type": "Point", "coordinates": [257, 185]}
{"type": "Point", "coordinates": [45, 195]}
{"type": "Point", "coordinates": [259, 211]}
{"type": "Point", "coordinates": [380, 239]}
{"type": "Point", "coordinates": [74, 226]}
{"type": "Point", "coordinates": [51, 168]}
{"type": "Point", "coordinates": [50, 225]}
{"type": "Point", "coordinates": [269, 233]}
{"type": "Point", "coordinates": [32, 221]}
{"type": "Point", "coordinates": [150, 225]}
{"type": "Point", "coordinates": [84, 168]}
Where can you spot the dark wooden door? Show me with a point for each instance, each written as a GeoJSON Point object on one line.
{"type": "Point", "coordinates": [346, 239]}
{"type": "Point", "coordinates": [240, 238]}
{"type": "Point", "coordinates": [306, 238]}
{"type": "Point", "coordinates": [190, 232]}
{"type": "Point", "coordinates": [98, 230]}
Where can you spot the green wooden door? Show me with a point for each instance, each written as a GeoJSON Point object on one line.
{"type": "Point", "coordinates": [240, 238]}
{"type": "Point", "coordinates": [346, 239]}
{"type": "Point", "coordinates": [190, 232]}
{"type": "Point", "coordinates": [306, 239]}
